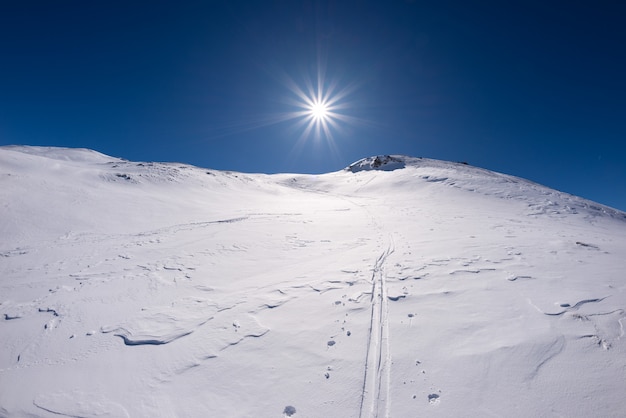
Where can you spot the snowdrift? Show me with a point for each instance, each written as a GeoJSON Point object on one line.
{"type": "Point", "coordinates": [396, 287]}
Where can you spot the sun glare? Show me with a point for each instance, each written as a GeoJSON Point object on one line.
{"type": "Point", "coordinates": [321, 106]}
{"type": "Point", "coordinates": [319, 110]}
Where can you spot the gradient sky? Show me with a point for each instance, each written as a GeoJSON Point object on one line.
{"type": "Point", "coordinates": [533, 89]}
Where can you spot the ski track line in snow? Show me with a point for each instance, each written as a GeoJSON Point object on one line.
{"type": "Point", "coordinates": [375, 393]}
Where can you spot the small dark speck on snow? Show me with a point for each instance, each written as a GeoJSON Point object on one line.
{"type": "Point", "coordinates": [584, 244]}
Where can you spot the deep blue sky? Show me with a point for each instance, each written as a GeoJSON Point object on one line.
{"type": "Point", "coordinates": [533, 89]}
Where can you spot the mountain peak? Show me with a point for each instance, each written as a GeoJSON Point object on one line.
{"type": "Point", "coordinates": [379, 162]}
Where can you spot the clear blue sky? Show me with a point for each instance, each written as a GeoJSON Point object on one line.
{"type": "Point", "coordinates": [535, 89]}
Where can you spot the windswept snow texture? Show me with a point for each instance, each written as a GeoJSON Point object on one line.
{"type": "Point", "coordinates": [398, 287]}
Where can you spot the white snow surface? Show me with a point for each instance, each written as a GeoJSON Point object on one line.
{"type": "Point", "coordinates": [398, 287]}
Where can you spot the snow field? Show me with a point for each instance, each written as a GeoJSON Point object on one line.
{"type": "Point", "coordinates": [406, 287]}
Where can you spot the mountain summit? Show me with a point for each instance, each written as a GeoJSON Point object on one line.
{"type": "Point", "coordinates": [379, 162]}
{"type": "Point", "coordinates": [396, 287]}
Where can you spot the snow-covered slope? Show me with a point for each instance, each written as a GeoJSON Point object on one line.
{"type": "Point", "coordinates": [397, 287]}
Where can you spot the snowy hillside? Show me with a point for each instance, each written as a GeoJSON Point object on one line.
{"type": "Point", "coordinates": [398, 287]}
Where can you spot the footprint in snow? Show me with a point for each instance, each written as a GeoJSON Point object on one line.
{"type": "Point", "coordinates": [433, 399]}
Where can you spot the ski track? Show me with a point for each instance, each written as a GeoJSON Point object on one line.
{"type": "Point", "coordinates": [376, 380]}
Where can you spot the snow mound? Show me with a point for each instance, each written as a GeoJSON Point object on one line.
{"type": "Point", "coordinates": [379, 162]}
{"type": "Point", "coordinates": [162, 325]}
{"type": "Point", "coordinates": [63, 154]}
{"type": "Point", "coordinates": [439, 289]}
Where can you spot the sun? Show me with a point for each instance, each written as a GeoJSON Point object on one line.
{"type": "Point", "coordinates": [320, 106]}
{"type": "Point", "coordinates": [319, 110]}
{"type": "Point", "coordinates": [317, 107]}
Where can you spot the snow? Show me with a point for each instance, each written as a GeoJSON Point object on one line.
{"type": "Point", "coordinates": [384, 163]}
{"type": "Point", "coordinates": [396, 287]}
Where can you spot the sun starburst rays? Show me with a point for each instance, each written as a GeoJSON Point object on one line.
{"type": "Point", "coordinates": [315, 109]}
{"type": "Point", "coordinates": [319, 108]}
